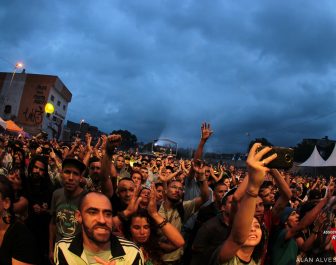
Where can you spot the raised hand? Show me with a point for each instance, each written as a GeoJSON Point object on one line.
{"type": "Point", "coordinates": [115, 139]}
{"type": "Point", "coordinates": [199, 170]}
{"type": "Point", "coordinates": [206, 131]}
{"type": "Point", "coordinates": [133, 205]}
{"type": "Point", "coordinates": [330, 190]}
{"type": "Point", "coordinates": [257, 169]}
{"type": "Point", "coordinates": [152, 206]}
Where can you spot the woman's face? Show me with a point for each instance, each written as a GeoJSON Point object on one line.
{"type": "Point", "coordinates": [145, 193]}
{"type": "Point", "coordinates": [140, 230]}
{"type": "Point", "coordinates": [254, 235]}
{"type": "Point", "coordinates": [14, 178]}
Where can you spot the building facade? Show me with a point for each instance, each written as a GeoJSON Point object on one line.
{"type": "Point", "coordinates": [23, 98]}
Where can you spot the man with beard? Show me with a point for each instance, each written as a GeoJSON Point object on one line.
{"type": "Point", "coordinates": [121, 168]}
{"type": "Point", "coordinates": [213, 232]}
{"type": "Point", "coordinates": [177, 212]}
{"type": "Point", "coordinates": [273, 209]}
{"type": "Point", "coordinates": [39, 190]}
{"type": "Point", "coordinates": [96, 244]}
{"type": "Point", "coordinates": [65, 202]}
{"type": "Point", "coordinates": [98, 178]}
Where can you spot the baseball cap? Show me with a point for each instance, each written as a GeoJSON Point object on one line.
{"type": "Point", "coordinates": [75, 162]}
{"type": "Point", "coordinates": [228, 193]}
{"type": "Point", "coordinates": [285, 214]}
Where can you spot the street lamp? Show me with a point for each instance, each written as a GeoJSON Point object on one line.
{"type": "Point", "coordinates": [3, 98]}
{"type": "Point", "coordinates": [18, 65]}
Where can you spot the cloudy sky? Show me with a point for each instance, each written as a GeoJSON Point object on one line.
{"type": "Point", "coordinates": [158, 68]}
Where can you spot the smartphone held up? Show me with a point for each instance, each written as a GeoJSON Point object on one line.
{"type": "Point", "coordinates": [284, 159]}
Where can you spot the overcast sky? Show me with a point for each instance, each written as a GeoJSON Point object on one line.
{"type": "Point", "coordinates": [159, 68]}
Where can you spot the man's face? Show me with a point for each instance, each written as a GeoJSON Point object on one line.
{"type": "Point", "coordinates": [159, 193]}
{"type": "Point", "coordinates": [38, 169]}
{"type": "Point", "coordinates": [136, 168]}
{"type": "Point", "coordinates": [259, 212]}
{"type": "Point", "coordinates": [120, 162]}
{"type": "Point", "coordinates": [144, 173]}
{"type": "Point", "coordinates": [268, 196]}
{"type": "Point", "coordinates": [137, 178]}
{"type": "Point", "coordinates": [18, 157]}
{"type": "Point", "coordinates": [227, 206]}
{"type": "Point", "coordinates": [293, 219]}
{"type": "Point", "coordinates": [175, 191]}
{"type": "Point", "coordinates": [231, 168]}
{"type": "Point", "coordinates": [126, 189]}
{"type": "Point", "coordinates": [95, 168]}
{"type": "Point", "coordinates": [95, 216]}
{"type": "Point", "coordinates": [144, 163]}
{"type": "Point", "coordinates": [206, 172]}
{"type": "Point", "coordinates": [71, 177]}
{"type": "Point", "coordinates": [144, 194]}
{"type": "Point", "coordinates": [219, 192]}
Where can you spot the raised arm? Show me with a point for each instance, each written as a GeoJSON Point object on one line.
{"type": "Point", "coordinates": [106, 170]}
{"type": "Point", "coordinates": [244, 217]}
{"type": "Point", "coordinates": [204, 188]}
{"type": "Point", "coordinates": [285, 193]}
{"type": "Point", "coordinates": [311, 215]}
{"type": "Point", "coordinates": [170, 231]}
{"type": "Point", "coordinates": [206, 133]}
{"type": "Point", "coordinates": [88, 149]}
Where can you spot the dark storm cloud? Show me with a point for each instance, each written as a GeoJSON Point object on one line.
{"type": "Point", "coordinates": [161, 68]}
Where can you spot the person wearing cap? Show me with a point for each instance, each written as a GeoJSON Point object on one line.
{"type": "Point", "coordinates": [284, 248]}
{"type": "Point", "coordinates": [214, 231]}
{"type": "Point", "coordinates": [65, 202]}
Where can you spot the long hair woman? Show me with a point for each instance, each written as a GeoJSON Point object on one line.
{"type": "Point", "coordinates": [143, 229]}
{"type": "Point", "coordinates": [244, 244]}
{"type": "Point", "coordinates": [17, 245]}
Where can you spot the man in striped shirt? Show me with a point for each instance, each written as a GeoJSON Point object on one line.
{"type": "Point", "coordinates": [96, 244]}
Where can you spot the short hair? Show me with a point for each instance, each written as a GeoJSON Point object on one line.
{"type": "Point", "coordinates": [174, 180]}
{"type": "Point", "coordinates": [159, 184]}
{"type": "Point", "coordinates": [136, 172]}
{"type": "Point", "coordinates": [125, 179]}
{"type": "Point", "coordinates": [94, 159]}
{"type": "Point", "coordinates": [219, 183]}
{"type": "Point", "coordinates": [82, 199]}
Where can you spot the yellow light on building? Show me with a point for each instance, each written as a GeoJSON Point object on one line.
{"type": "Point", "coordinates": [49, 108]}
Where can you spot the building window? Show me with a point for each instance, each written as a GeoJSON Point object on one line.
{"type": "Point", "coordinates": [52, 98]}
{"type": "Point", "coordinates": [58, 103]}
{"type": "Point", "coordinates": [64, 107]}
{"type": "Point", "coordinates": [54, 118]}
{"type": "Point", "coordinates": [8, 109]}
{"type": "Point", "coordinates": [48, 115]}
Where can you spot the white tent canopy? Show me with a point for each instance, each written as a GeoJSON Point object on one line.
{"type": "Point", "coordinates": [331, 162]}
{"type": "Point", "coordinates": [3, 124]}
{"type": "Point", "coordinates": [315, 160]}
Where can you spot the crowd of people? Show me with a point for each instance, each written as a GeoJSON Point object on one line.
{"type": "Point", "coordinates": [95, 204]}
